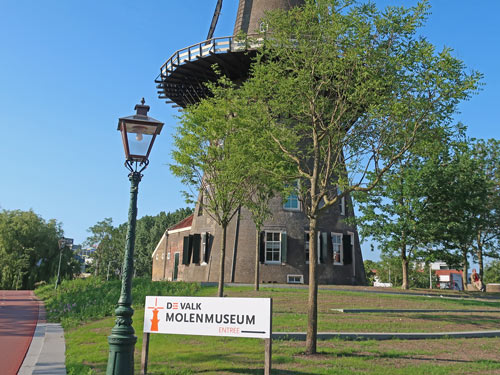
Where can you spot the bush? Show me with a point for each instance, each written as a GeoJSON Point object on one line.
{"type": "Point", "coordinates": [81, 300]}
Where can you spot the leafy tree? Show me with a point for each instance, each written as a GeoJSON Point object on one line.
{"type": "Point", "coordinates": [391, 213]}
{"type": "Point", "coordinates": [109, 242]}
{"type": "Point", "coordinates": [101, 238]}
{"type": "Point", "coordinates": [29, 250]}
{"type": "Point", "coordinates": [370, 266]}
{"type": "Point", "coordinates": [456, 191]}
{"type": "Point", "coordinates": [487, 244]}
{"type": "Point", "coordinates": [347, 89]}
{"type": "Point", "coordinates": [389, 270]}
{"type": "Point", "coordinates": [213, 157]}
{"type": "Point", "coordinates": [492, 272]}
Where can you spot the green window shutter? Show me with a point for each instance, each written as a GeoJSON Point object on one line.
{"type": "Point", "coordinates": [262, 247]}
{"type": "Point", "coordinates": [306, 249]}
{"type": "Point", "coordinates": [324, 246]}
{"type": "Point", "coordinates": [318, 246]}
{"type": "Point", "coordinates": [196, 248]}
{"type": "Point", "coordinates": [330, 247]}
{"type": "Point", "coordinates": [208, 249]}
{"type": "Point", "coordinates": [185, 250]}
{"type": "Point", "coordinates": [283, 247]}
{"type": "Point", "coordinates": [347, 247]}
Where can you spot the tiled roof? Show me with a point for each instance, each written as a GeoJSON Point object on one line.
{"type": "Point", "coordinates": [448, 272]}
{"type": "Point", "coordinates": [184, 223]}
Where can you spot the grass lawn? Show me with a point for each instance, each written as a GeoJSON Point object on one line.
{"type": "Point", "coordinates": [87, 348]}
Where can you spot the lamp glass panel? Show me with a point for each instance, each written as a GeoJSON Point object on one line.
{"type": "Point", "coordinates": [138, 143]}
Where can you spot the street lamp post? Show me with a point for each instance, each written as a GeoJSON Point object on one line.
{"type": "Point", "coordinates": [62, 243]}
{"type": "Point", "coordinates": [138, 134]}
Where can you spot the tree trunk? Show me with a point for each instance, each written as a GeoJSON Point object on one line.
{"type": "Point", "coordinates": [480, 255]}
{"type": "Point", "coordinates": [220, 292]}
{"type": "Point", "coordinates": [312, 305]}
{"type": "Point", "coordinates": [257, 260]}
{"type": "Point", "coordinates": [404, 262]}
{"type": "Point", "coordinates": [405, 284]}
{"type": "Point", "coordinates": [465, 269]}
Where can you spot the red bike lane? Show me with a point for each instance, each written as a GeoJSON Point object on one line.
{"type": "Point", "coordinates": [18, 319]}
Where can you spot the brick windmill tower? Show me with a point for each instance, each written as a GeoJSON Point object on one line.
{"type": "Point", "coordinates": [190, 250]}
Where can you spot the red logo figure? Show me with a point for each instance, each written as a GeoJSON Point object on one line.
{"type": "Point", "coordinates": [155, 320]}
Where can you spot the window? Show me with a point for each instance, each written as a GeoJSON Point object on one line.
{"type": "Point", "coordinates": [295, 279]}
{"type": "Point", "coordinates": [337, 251]}
{"type": "Point", "coordinates": [341, 202]}
{"type": "Point", "coordinates": [273, 247]}
{"type": "Point", "coordinates": [293, 202]}
{"type": "Point", "coordinates": [319, 242]}
{"type": "Point", "coordinates": [205, 238]}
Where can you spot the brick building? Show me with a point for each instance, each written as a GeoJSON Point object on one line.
{"type": "Point", "coordinates": [190, 250]}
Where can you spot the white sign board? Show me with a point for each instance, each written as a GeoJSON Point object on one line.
{"type": "Point", "coordinates": [208, 316]}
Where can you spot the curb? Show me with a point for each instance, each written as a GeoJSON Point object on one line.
{"type": "Point", "coordinates": [361, 311]}
{"type": "Point", "coordinates": [46, 354]}
{"type": "Point", "coordinates": [300, 336]}
{"type": "Point", "coordinates": [35, 348]}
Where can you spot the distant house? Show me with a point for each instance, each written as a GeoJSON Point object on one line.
{"type": "Point", "coordinates": [450, 279]}
{"type": "Point", "coordinates": [167, 255]}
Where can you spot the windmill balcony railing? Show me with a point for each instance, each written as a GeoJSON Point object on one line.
{"type": "Point", "coordinates": [203, 49]}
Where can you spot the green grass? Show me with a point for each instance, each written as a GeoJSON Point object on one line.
{"type": "Point", "coordinates": [84, 307]}
{"type": "Point", "coordinates": [83, 300]}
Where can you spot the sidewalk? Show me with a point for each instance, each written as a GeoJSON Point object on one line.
{"type": "Point", "coordinates": [46, 354]}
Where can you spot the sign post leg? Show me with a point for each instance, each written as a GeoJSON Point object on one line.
{"type": "Point", "coordinates": [145, 353]}
{"type": "Point", "coordinates": [269, 342]}
{"type": "Point", "coordinates": [268, 355]}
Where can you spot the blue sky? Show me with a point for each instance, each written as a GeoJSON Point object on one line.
{"type": "Point", "coordinates": [70, 69]}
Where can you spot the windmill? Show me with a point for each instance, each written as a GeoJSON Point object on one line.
{"type": "Point", "coordinates": [188, 250]}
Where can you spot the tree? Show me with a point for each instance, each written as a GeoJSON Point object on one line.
{"type": "Point", "coordinates": [370, 267]}
{"type": "Point", "coordinates": [347, 89]}
{"type": "Point", "coordinates": [492, 272]}
{"type": "Point", "coordinates": [29, 250]}
{"type": "Point", "coordinates": [389, 270]}
{"type": "Point", "coordinates": [391, 213]}
{"type": "Point", "coordinates": [101, 238]}
{"type": "Point", "coordinates": [210, 156]}
{"type": "Point", "coordinates": [109, 241]}
{"type": "Point", "coordinates": [487, 154]}
{"type": "Point", "coordinates": [456, 192]}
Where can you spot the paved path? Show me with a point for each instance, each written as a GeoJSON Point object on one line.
{"type": "Point", "coordinates": [18, 318]}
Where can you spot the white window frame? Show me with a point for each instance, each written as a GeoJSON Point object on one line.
{"type": "Point", "coordinates": [301, 279]}
{"type": "Point", "coordinates": [203, 247]}
{"type": "Point", "coordinates": [265, 247]}
{"type": "Point", "coordinates": [299, 206]}
{"type": "Point", "coordinates": [341, 246]}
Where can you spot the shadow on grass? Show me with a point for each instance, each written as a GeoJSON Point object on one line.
{"type": "Point", "coordinates": [408, 357]}
{"type": "Point", "coordinates": [475, 320]}
{"type": "Point", "coordinates": [258, 371]}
